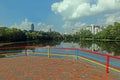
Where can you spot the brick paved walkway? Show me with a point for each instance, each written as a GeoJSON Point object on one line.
{"type": "Point", "coordinates": [39, 68]}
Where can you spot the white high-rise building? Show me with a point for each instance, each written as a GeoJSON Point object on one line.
{"type": "Point", "coordinates": [94, 29]}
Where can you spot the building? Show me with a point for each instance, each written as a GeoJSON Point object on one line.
{"type": "Point", "coordinates": [94, 29]}
{"type": "Point", "coordinates": [32, 27]}
{"type": "Point", "coordinates": [74, 31]}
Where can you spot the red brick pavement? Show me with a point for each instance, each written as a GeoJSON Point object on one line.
{"type": "Point", "coordinates": [39, 68]}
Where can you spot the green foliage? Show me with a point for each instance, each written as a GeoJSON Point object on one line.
{"type": "Point", "coordinates": [68, 37]}
{"type": "Point", "coordinates": [111, 32]}
{"type": "Point", "coordinates": [85, 34]}
{"type": "Point", "coordinates": [13, 34]}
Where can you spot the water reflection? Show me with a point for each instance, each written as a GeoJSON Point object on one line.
{"type": "Point", "coordinates": [111, 48]}
{"type": "Point", "coordinates": [104, 47]}
{"type": "Point", "coordinates": [85, 44]}
{"type": "Point", "coordinates": [68, 45]}
{"type": "Point", "coordinates": [32, 43]}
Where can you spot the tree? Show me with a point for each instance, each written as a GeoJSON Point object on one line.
{"type": "Point", "coordinates": [111, 32]}
{"type": "Point", "coordinates": [85, 34]}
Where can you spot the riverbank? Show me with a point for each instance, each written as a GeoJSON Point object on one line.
{"type": "Point", "coordinates": [10, 43]}
{"type": "Point", "coordinates": [38, 68]}
{"type": "Point", "coordinates": [99, 40]}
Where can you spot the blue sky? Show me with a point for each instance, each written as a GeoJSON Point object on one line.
{"type": "Point", "coordinates": [60, 15]}
{"type": "Point", "coordinates": [17, 10]}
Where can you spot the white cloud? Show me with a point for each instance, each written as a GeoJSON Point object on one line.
{"type": "Point", "coordinates": [24, 25]}
{"type": "Point", "coordinates": [70, 9]}
{"type": "Point", "coordinates": [44, 27]}
{"type": "Point", "coordinates": [111, 18]}
{"type": "Point", "coordinates": [68, 26]}
{"type": "Point", "coordinates": [79, 25]}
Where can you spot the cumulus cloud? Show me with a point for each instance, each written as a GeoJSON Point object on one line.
{"type": "Point", "coordinates": [70, 9]}
{"type": "Point", "coordinates": [68, 26]}
{"type": "Point", "coordinates": [44, 27]}
{"type": "Point", "coordinates": [111, 18]}
{"type": "Point", "coordinates": [79, 25]}
{"type": "Point", "coordinates": [24, 25]}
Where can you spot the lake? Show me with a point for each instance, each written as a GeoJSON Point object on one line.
{"type": "Point", "coordinates": [112, 48]}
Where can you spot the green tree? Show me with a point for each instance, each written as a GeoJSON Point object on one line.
{"type": "Point", "coordinates": [85, 34]}
{"type": "Point", "coordinates": [111, 32]}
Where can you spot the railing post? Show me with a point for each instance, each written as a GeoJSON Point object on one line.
{"type": "Point", "coordinates": [107, 64]}
{"type": "Point", "coordinates": [26, 52]}
{"type": "Point", "coordinates": [48, 52]}
{"type": "Point", "coordinates": [76, 54]}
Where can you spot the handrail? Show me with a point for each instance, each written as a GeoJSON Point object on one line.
{"type": "Point", "coordinates": [77, 49]}
{"type": "Point", "coordinates": [90, 51]}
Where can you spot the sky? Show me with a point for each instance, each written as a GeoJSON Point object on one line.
{"type": "Point", "coordinates": [59, 15]}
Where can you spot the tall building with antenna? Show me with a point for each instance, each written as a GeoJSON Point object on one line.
{"type": "Point", "coordinates": [32, 27]}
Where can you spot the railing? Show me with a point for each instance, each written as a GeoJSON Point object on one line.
{"type": "Point", "coordinates": [105, 60]}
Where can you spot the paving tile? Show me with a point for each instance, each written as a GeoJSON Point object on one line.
{"type": "Point", "coordinates": [50, 78]}
{"type": "Point", "coordinates": [39, 68]}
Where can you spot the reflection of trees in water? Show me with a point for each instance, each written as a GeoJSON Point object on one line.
{"type": "Point", "coordinates": [34, 43]}
{"type": "Point", "coordinates": [85, 44]}
{"type": "Point", "coordinates": [110, 47]}
{"type": "Point", "coordinates": [89, 45]}
{"type": "Point", "coordinates": [30, 43]}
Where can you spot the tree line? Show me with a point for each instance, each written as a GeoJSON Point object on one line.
{"type": "Point", "coordinates": [14, 35]}
{"type": "Point", "coordinates": [110, 33]}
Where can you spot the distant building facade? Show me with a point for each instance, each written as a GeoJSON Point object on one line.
{"type": "Point", "coordinates": [32, 27]}
{"type": "Point", "coordinates": [74, 31]}
{"type": "Point", "coordinates": [94, 29]}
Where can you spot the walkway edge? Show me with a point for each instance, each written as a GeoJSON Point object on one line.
{"type": "Point", "coordinates": [116, 70]}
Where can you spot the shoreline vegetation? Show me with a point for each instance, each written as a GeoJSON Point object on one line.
{"type": "Point", "coordinates": [110, 33]}
{"type": "Point", "coordinates": [10, 43]}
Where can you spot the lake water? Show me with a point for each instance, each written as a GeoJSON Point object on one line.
{"type": "Point", "coordinates": [112, 48]}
